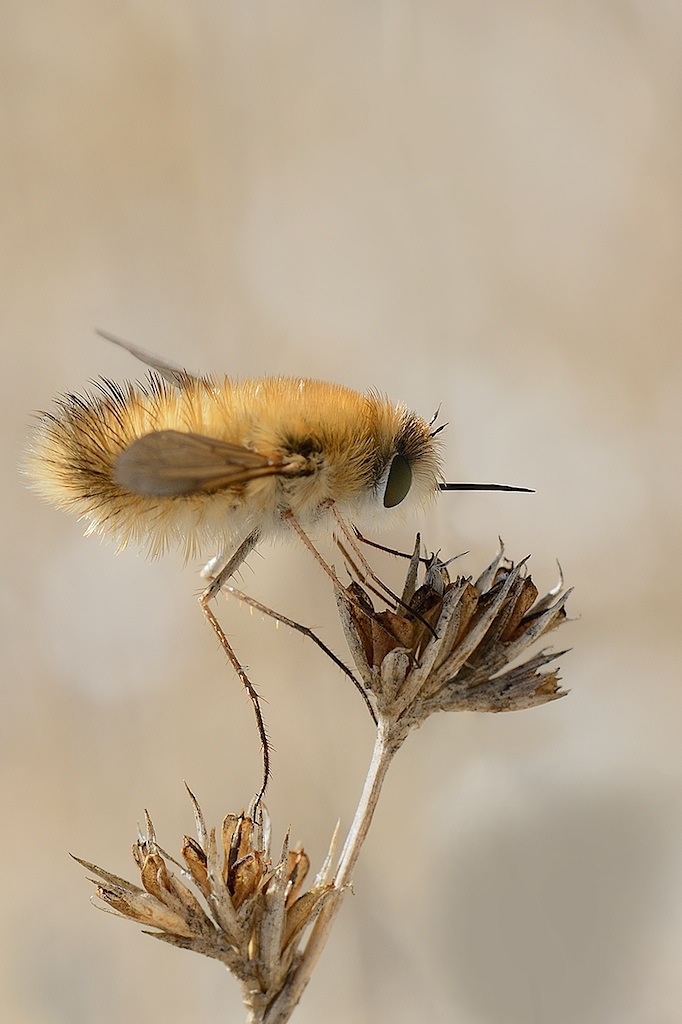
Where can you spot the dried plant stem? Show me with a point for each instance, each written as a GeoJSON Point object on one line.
{"type": "Point", "coordinates": [388, 741]}
{"type": "Point", "coordinates": [449, 646]}
{"type": "Point", "coordinates": [386, 745]}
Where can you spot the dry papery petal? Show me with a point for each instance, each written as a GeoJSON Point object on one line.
{"type": "Point", "coordinates": [229, 901]}
{"type": "Point", "coordinates": [452, 648]}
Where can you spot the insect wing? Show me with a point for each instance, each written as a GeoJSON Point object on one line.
{"type": "Point", "coordinates": [169, 462]}
{"type": "Point", "coordinates": [175, 375]}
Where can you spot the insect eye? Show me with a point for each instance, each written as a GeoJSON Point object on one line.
{"type": "Point", "coordinates": [399, 481]}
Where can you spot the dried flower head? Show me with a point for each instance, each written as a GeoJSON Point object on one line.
{"type": "Point", "coordinates": [228, 901]}
{"type": "Point", "coordinates": [449, 645]}
{"type": "Point", "coordinates": [445, 645]}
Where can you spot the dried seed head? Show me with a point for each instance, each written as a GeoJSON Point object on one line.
{"type": "Point", "coordinates": [451, 646]}
{"type": "Point", "coordinates": [446, 645]}
{"type": "Point", "coordinates": [236, 906]}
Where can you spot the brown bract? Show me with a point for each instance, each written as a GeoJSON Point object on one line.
{"type": "Point", "coordinates": [454, 645]}
{"type": "Point", "coordinates": [228, 900]}
{"type": "Point", "coordinates": [445, 645]}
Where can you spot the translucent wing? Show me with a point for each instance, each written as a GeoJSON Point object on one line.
{"type": "Point", "coordinates": [175, 375]}
{"type": "Point", "coordinates": [169, 462]}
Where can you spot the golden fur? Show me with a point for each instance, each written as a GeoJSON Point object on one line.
{"type": "Point", "coordinates": [343, 440]}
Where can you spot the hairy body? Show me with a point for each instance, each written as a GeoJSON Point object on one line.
{"type": "Point", "coordinates": [204, 461]}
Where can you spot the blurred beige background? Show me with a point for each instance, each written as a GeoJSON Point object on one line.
{"type": "Point", "coordinates": [477, 205]}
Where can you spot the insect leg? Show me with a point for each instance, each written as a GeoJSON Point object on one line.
{"type": "Point", "coordinates": [382, 547]}
{"type": "Point", "coordinates": [228, 567]}
{"type": "Point", "coordinates": [290, 518]}
{"type": "Point", "coordinates": [306, 631]}
{"type": "Point", "coordinates": [370, 573]}
{"type": "Point", "coordinates": [329, 569]}
{"type": "Point", "coordinates": [213, 589]}
{"type": "Point", "coordinates": [364, 564]}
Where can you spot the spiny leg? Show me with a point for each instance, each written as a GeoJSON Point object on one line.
{"type": "Point", "coordinates": [382, 547]}
{"type": "Point", "coordinates": [289, 517]}
{"type": "Point", "coordinates": [364, 564]}
{"type": "Point", "coordinates": [306, 631]}
{"type": "Point", "coordinates": [355, 570]}
{"type": "Point", "coordinates": [424, 559]}
{"type": "Point", "coordinates": [213, 589]}
{"type": "Point", "coordinates": [227, 567]}
{"type": "Point", "coordinates": [370, 573]}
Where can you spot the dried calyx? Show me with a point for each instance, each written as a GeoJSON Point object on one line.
{"type": "Point", "coordinates": [450, 643]}
{"type": "Point", "coordinates": [445, 645]}
{"type": "Point", "coordinates": [228, 900]}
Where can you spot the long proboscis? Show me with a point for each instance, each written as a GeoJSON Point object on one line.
{"type": "Point", "coordinates": [485, 487]}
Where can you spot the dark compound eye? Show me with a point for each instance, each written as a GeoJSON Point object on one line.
{"type": "Point", "coordinates": [399, 481]}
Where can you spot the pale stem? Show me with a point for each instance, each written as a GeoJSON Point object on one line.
{"type": "Point", "coordinates": [386, 744]}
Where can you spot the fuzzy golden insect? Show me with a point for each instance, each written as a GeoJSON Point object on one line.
{"type": "Point", "coordinates": [201, 461]}
{"type": "Point", "coordinates": [196, 461]}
